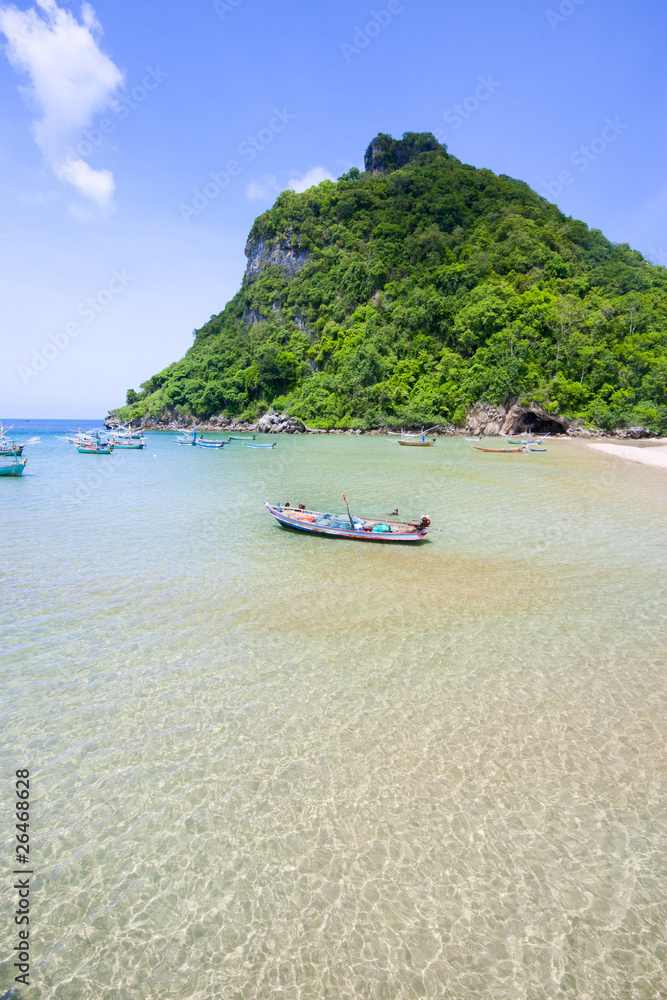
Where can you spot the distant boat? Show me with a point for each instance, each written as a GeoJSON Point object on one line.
{"type": "Point", "coordinates": [127, 445]}
{"type": "Point", "coordinates": [347, 526]}
{"type": "Point", "coordinates": [86, 439]}
{"type": "Point", "coordinates": [476, 439]}
{"type": "Point", "coordinates": [501, 451]}
{"type": "Point", "coordinates": [125, 437]}
{"type": "Point", "coordinates": [9, 447]}
{"type": "Point", "coordinates": [260, 445]}
{"type": "Point", "coordinates": [538, 449]}
{"type": "Point", "coordinates": [416, 444]}
{"type": "Point", "coordinates": [189, 437]}
{"type": "Point", "coordinates": [95, 447]}
{"type": "Point", "coordinates": [15, 468]}
{"type": "Point", "coordinates": [211, 444]}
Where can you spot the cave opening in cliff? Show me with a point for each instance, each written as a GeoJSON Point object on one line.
{"type": "Point", "coordinates": [538, 423]}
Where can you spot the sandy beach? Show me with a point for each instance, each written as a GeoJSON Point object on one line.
{"type": "Point", "coordinates": [655, 456]}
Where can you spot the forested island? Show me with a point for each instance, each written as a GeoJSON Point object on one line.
{"type": "Point", "coordinates": [406, 294]}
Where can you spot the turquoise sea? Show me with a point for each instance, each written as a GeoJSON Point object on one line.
{"type": "Point", "coordinates": [266, 765]}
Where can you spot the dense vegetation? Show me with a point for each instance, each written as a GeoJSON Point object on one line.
{"type": "Point", "coordinates": [426, 288]}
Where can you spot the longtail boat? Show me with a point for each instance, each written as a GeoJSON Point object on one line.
{"type": "Point", "coordinates": [423, 443]}
{"type": "Point", "coordinates": [211, 444]}
{"type": "Point", "coordinates": [348, 526]}
{"type": "Point", "coordinates": [187, 437]}
{"type": "Point", "coordinates": [500, 451]}
{"type": "Point", "coordinates": [15, 468]}
{"type": "Point", "coordinates": [260, 445]}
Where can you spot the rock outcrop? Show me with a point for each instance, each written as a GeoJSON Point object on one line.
{"type": "Point", "coordinates": [262, 253]}
{"type": "Point", "coordinates": [386, 153]}
{"type": "Point", "coordinates": [489, 421]}
{"type": "Point", "coordinates": [635, 432]}
{"type": "Point", "coordinates": [280, 423]}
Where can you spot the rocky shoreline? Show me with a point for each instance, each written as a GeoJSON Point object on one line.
{"type": "Point", "coordinates": [483, 420]}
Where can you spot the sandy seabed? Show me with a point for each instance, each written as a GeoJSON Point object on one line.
{"type": "Point", "coordinates": [655, 456]}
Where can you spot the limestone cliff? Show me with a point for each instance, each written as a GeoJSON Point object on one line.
{"type": "Point", "coordinates": [385, 153]}
{"type": "Point", "coordinates": [263, 253]}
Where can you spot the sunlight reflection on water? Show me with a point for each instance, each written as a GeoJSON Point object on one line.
{"type": "Point", "coordinates": [269, 765]}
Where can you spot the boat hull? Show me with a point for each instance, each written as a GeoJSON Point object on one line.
{"type": "Point", "coordinates": [500, 451]}
{"type": "Point", "coordinates": [95, 451]}
{"type": "Point", "coordinates": [417, 444]}
{"type": "Point", "coordinates": [292, 521]}
{"type": "Point", "coordinates": [13, 470]}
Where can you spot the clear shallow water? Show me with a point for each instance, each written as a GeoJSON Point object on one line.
{"type": "Point", "coordinates": [267, 765]}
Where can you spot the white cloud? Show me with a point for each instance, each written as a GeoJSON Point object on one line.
{"type": "Point", "coordinates": [309, 179]}
{"type": "Point", "coordinates": [71, 80]}
{"type": "Point", "coordinates": [98, 185]}
{"type": "Point", "coordinates": [265, 188]}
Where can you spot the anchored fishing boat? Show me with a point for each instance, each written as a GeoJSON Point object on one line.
{"type": "Point", "coordinates": [187, 437]}
{"type": "Point", "coordinates": [260, 445]}
{"type": "Point", "coordinates": [417, 444]}
{"type": "Point", "coordinates": [14, 468]}
{"type": "Point", "coordinates": [96, 448]}
{"type": "Point", "coordinates": [211, 444]}
{"type": "Point", "coordinates": [8, 447]}
{"type": "Point", "coordinates": [501, 451]}
{"type": "Point", "coordinates": [361, 529]}
{"type": "Point", "coordinates": [125, 437]}
{"type": "Point", "coordinates": [87, 440]}
{"type": "Point", "coordinates": [423, 443]}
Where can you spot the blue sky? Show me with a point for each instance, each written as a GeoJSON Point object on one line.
{"type": "Point", "coordinates": [115, 114]}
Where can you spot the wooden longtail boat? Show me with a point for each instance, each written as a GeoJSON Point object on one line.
{"type": "Point", "coordinates": [342, 526]}
{"type": "Point", "coordinates": [422, 443]}
{"type": "Point", "coordinates": [417, 444]}
{"type": "Point", "coordinates": [260, 445]}
{"type": "Point", "coordinates": [14, 469]}
{"type": "Point", "coordinates": [500, 451]}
